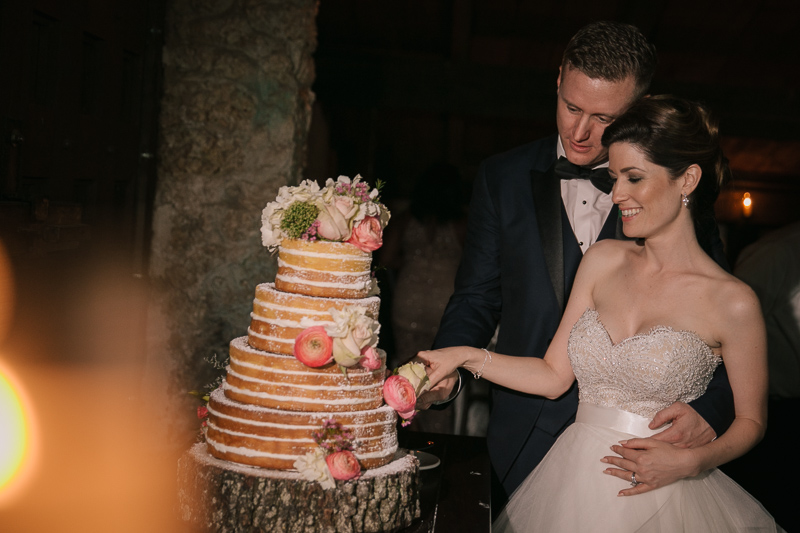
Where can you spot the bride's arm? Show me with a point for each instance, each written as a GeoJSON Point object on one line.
{"type": "Point", "coordinates": [744, 351]}
{"type": "Point", "coordinates": [550, 376]}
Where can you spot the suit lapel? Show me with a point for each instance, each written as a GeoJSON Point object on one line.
{"type": "Point", "coordinates": [547, 201]}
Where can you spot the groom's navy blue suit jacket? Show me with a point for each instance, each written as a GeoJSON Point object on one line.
{"type": "Point", "coordinates": [517, 269]}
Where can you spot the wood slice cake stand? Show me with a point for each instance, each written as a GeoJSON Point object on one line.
{"type": "Point", "coordinates": [221, 496]}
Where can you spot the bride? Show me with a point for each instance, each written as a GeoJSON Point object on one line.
{"type": "Point", "coordinates": [647, 322]}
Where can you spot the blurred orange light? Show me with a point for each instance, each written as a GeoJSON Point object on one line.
{"type": "Point", "coordinates": [14, 433]}
{"type": "Point", "coordinates": [747, 204]}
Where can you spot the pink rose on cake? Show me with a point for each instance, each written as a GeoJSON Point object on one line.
{"type": "Point", "coordinates": [343, 465]}
{"type": "Point", "coordinates": [372, 358]}
{"type": "Point", "coordinates": [400, 390]}
{"type": "Point", "coordinates": [202, 414]}
{"type": "Point", "coordinates": [367, 235]}
{"type": "Point", "coordinates": [313, 347]}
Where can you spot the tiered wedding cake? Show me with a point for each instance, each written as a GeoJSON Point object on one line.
{"type": "Point", "coordinates": [302, 399]}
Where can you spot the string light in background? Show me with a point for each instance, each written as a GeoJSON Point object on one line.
{"type": "Point", "coordinates": [747, 205]}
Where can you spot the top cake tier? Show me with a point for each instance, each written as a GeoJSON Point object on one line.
{"type": "Point", "coordinates": [327, 269]}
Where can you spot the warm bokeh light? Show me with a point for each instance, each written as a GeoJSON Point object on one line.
{"type": "Point", "coordinates": [15, 434]}
{"type": "Point", "coordinates": [747, 204]}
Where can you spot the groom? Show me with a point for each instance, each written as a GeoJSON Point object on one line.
{"type": "Point", "coordinates": [529, 225]}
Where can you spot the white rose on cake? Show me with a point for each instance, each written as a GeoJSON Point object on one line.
{"type": "Point", "coordinates": [352, 332]}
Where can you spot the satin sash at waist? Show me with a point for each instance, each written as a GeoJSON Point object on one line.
{"type": "Point", "coordinates": [616, 419]}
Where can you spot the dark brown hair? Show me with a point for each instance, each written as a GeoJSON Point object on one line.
{"type": "Point", "coordinates": [675, 133]}
{"type": "Point", "coordinates": [612, 51]}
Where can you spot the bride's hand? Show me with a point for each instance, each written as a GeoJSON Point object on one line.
{"type": "Point", "coordinates": [655, 464]}
{"type": "Point", "coordinates": [440, 364]}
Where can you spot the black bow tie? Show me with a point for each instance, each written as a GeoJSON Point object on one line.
{"type": "Point", "coordinates": [564, 170]}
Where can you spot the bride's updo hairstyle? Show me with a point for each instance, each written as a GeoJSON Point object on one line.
{"type": "Point", "coordinates": [675, 133]}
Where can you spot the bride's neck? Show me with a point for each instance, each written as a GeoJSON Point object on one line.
{"type": "Point", "coordinates": [673, 249]}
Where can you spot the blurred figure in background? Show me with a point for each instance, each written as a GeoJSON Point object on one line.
{"type": "Point", "coordinates": [771, 266]}
{"type": "Point", "coordinates": [422, 249]}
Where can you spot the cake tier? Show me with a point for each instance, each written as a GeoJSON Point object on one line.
{"type": "Point", "coordinates": [278, 317]}
{"type": "Point", "coordinates": [271, 438]}
{"type": "Point", "coordinates": [282, 382]}
{"type": "Point", "coordinates": [319, 268]}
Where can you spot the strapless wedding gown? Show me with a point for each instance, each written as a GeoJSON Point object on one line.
{"type": "Point", "coordinates": [621, 387]}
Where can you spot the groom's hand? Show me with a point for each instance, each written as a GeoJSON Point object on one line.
{"type": "Point", "coordinates": [688, 429]}
{"type": "Point", "coordinates": [655, 464]}
{"type": "Point", "coordinates": [440, 392]}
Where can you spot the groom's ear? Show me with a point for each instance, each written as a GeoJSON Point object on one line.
{"type": "Point", "coordinates": [691, 178]}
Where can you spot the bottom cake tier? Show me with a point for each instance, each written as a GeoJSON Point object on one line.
{"type": "Point", "coordinates": [216, 495]}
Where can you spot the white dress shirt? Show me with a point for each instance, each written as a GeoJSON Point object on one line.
{"type": "Point", "coordinates": [587, 207]}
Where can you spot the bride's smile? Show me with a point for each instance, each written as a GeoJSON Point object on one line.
{"type": "Point", "coordinates": [649, 199]}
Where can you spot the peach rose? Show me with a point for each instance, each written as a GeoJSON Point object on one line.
{"type": "Point", "coordinates": [352, 330]}
{"type": "Point", "coordinates": [334, 218]}
{"type": "Point", "coordinates": [313, 347]}
{"type": "Point", "coordinates": [364, 331]}
{"type": "Point", "coordinates": [367, 235]}
{"type": "Point", "coordinates": [399, 394]}
{"type": "Point", "coordinates": [343, 465]}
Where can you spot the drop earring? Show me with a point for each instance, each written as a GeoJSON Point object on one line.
{"type": "Point", "coordinates": [685, 200]}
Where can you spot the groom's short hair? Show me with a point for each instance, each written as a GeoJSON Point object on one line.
{"type": "Point", "coordinates": [612, 51]}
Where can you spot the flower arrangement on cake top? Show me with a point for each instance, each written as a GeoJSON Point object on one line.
{"type": "Point", "coordinates": [333, 459]}
{"type": "Point", "coordinates": [344, 210]}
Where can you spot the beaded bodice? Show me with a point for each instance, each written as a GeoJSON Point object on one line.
{"type": "Point", "coordinates": [641, 374]}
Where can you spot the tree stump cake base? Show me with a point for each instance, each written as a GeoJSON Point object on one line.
{"type": "Point", "coordinates": [221, 496]}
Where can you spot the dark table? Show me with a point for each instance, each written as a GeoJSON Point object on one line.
{"type": "Point", "coordinates": [456, 495]}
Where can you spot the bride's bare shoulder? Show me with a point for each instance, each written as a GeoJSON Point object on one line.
{"type": "Point", "coordinates": [733, 307]}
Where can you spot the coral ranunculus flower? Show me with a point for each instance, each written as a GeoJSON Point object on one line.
{"type": "Point", "coordinates": [313, 347]}
{"type": "Point", "coordinates": [400, 395]}
{"type": "Point", "coordinates": [343, 465]}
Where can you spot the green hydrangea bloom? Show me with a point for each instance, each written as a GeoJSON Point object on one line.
{"type": "Point", "coordinates": [297, 218]}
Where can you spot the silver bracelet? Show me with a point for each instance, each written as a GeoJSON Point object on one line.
{"type": "Point", "coordinates": [479, 373]}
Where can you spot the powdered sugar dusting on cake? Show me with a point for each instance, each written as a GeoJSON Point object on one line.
{"type": "Point", "coordinates": [397, 465]}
